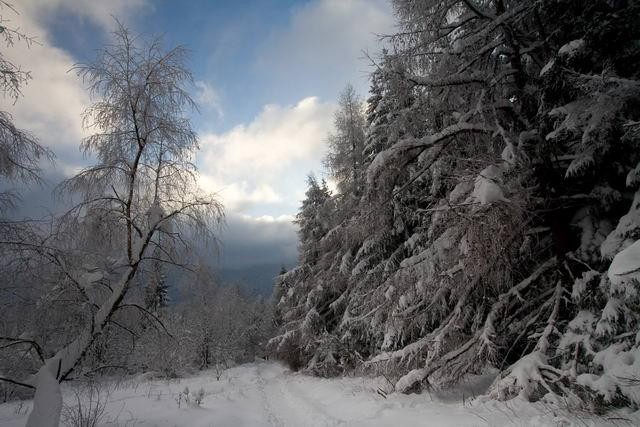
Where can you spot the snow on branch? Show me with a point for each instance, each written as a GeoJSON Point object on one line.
{"type": "Point", "coordinates": [408, 381]}
{"type": "Point", "coordinates": [494, 24]}
{"type": "Point", "coordinates": [532, 374]}
{"type": "Point", "coordinates": [488, 331]}
{"type": "Point", "coordinates": [471, 4]}
{"type": "Point", "coordinates": [625, 266]}
{"type": "Point", "coordinates": [384, 158]}
{"type": "Point", "coordinates": [453, 80]}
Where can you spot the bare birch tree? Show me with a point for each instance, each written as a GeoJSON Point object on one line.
{"type": "Point", "coordinates": [144, 183]}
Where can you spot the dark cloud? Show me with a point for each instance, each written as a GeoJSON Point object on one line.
{"type": "Point", "coordinates": [248, 241]}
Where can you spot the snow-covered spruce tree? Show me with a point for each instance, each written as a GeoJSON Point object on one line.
{"type": "Point", "coordinates": [297, 292]}
{"type": "Point", "coordinates": [502, 144]}
{"type": "Point", "coordinates": [386, 218]}
{"type": "Point", "coordinates": [313, 220]}
{"type": "Point", "coordinates": [459, 238]}
{"type": "Point", "coordinates": [346, 161]}
{"type": "Point", "coordinates": [541, 196]}
{"type": "Point", "coordinates": [513, 250]}
{"type": "Point", "coordinates": [139, 124]}
{"type": "Point", "coordinates": [345, 156]}
{"type": "Point", "coordinates": [594, 122]}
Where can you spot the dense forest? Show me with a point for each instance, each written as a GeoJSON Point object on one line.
{"type": "Point", "coordinates": [486, 208]}
{"type": "Point", "coordinates": [478, 216]}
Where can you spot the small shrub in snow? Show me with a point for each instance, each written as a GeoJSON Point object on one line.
{"type": "Point", "coordinates": [198, 396]}
{"type": "Point", "coordinates": [190, 397]}
{"type": "Point", "coordinates": [88, 409]}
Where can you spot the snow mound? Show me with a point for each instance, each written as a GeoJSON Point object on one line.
{"type": "Point", "coordinates": [487, 189]}
{"type": "Point", "coordinates": [625, 266]}
{"type": "Point", "coordinates": [572, 48]}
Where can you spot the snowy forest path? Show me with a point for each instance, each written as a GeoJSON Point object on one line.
{"type": "Point", "coordinates": [282, 396]}
{"type": "Point", "coordinates": [267, 394]}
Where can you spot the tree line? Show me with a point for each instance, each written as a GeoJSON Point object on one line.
{"type": "Point", "coordinates": [486, 214]}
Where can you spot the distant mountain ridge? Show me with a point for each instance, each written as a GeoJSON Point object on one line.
{"type": "Point", "coordinates": [257, 279]}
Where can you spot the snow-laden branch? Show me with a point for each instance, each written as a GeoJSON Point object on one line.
{"type": "Point", "coordinates": [406, 382]}
{"type": "Point", "coordinates": [488, 331]}
{"type": "Point", "coordinates": [430, 339]}
{"type": "Point", "coordinates": [384, 158]}
{"type": "Point", "coordinates": [494, 24]}
{"type": "Point", "coordinates": [477, 10]}
{"type": "Point", "coordinates": [453, 80]}
{"type": "Point", "coordinates": [532, 372]}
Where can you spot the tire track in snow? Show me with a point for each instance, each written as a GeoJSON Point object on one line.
{"type": "Point", "coordinates": [298, 410]}
{"type": "Point", "coordinates": [271, 417]}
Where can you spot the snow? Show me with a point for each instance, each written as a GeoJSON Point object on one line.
{"type": "Point", "coordinates": [571, 122]}
{"type": "Point", "coordinates": [509, 154]}
{"type": "Point", "coordinates": [311, 321]}
{"type": "Point", "coordinates": [579, 331]}
{"type": "Point", "coordinates": [48, 397]}
{"type": "Point", "coordinates": [400, 149]}
{"type": "Point", "coordinates": [459, 191]}
{"type": "Point", "coordinates": [619, 239]}
{"type": "Point", "coordinates": [523, 379]}
{"type": "Point", "coordinates": [388, 294]}
{"type": "Point", "coordinates": [361, 267]}
{"type": "Point", "coordinates": [633, 177]}
{"type": "Point", "coordinates": [580, 285]}
{"type": "Point", "coordinates": [486, 189]}
{"type": "Point", "coordinates": [384, 158]}
{"type": "Point", "coordinates": [621, 368]}
{"type": "Point", "coordinates": [268, 394]}
{"type": "Point", "coordinates": [625, 266]}
{"type": "Point", "coordinates": [414, 377]}
{"type": "Point", "coordinates": [609, 316]}
{"type": "Point", "coordinates": [156, 217]}
{"type": "Point", "coordinates": [571, 48]}
{"type": "Point", "coordinates": [547, 67]}
{"type": "Point", "coordinates": [603, 384]}
{"type": "Point", "coordinates": [345, 263]}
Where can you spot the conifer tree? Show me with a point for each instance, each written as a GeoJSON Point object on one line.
{"type": "Point", "coordinates": [496, 219]}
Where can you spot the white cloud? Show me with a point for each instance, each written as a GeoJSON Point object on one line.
{"type": "Point", "coordinates": [258, 162]}
{"type": "Point", "coordinates": [271, 219]}
{"type": "Point", "coordinates": [208, 97]}
{"type": "Point", "coordinates": [324, 43]}
{"type": "Point", "coordinates": [53, 101]}
{"type": "Point", "coordinates": [99, 12]}
{"type": "Point", "coordinates": [240, 195]}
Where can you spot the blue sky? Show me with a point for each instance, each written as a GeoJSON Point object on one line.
{"type": "Point", "coordinates": [225, 38]}
{"type": "Point", "coordinates": [267, 75]}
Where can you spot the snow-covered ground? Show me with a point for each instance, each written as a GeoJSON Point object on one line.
{"type": "Point", "coordinates": [268, 394]}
